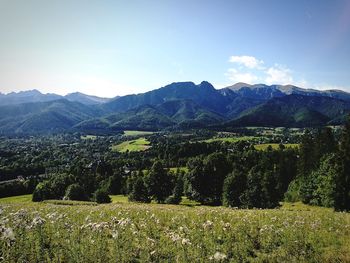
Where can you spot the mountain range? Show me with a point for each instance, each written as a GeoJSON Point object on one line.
{"type": "Point", "coordinates": [177, 105]}
{"type": "Point", "coordinates": [36, 96]}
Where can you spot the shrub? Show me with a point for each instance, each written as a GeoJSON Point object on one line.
{"type": "Point", "coordinates": [101, 196]}
{"type": "Point", "coordinates": [42, 192]}
{"type": "Point", "coordinates": [75, 192]}
{"type": "Point", "coordinates": [233, 189]}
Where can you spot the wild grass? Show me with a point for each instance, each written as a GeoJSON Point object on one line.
{"type": "Point", "coordinates": [129, 232]}
{"type": "Point", "coordinates": [69, 202]}
{"type": "Point", "coordinates": [140, 144]}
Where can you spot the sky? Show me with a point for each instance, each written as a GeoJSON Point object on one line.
{"type": "Point", "coordinates": [109, 48]}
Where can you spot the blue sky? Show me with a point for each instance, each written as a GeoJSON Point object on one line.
{"type": "Point", "coordinates": [110, 48]}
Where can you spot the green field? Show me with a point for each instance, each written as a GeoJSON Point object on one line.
{"type": "Point", "coordinates": [88, 137]}
{"type": "Point", "coordinates": [115, 199]}
{"type": "Point", "coordinates": [140, 144]}
{"type": "Point", "coordinates": [137, 133]}
{"type": "Point", "coordinates": [274, 146]}
{"type": "Point", "coordinates": [232, 139]}
{"type": "Point", "coordinates": [17, 199]}
{"type": "Point", "coordinates": [131, 232]}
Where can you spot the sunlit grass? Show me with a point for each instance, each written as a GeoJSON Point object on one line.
{"type": "Point", "coordinates": [137, 145]}
{"type": "Point", "coordinates": [137, 133]}
{"type": "Point", "coordinates": [274, 146]}
{"type": "Point", "coordinates": [131, 232]}
{"type": "Point", "coordinates": [17, 199]}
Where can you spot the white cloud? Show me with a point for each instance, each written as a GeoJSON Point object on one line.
{"type": "Point", "coordinates": [247, 61]}
{"type": "Point", "coordinates": [278, 75]}
{"type": "Point", "coordinates": [251, 70]}
{"type": "Point", "coordinates": [237, 76]}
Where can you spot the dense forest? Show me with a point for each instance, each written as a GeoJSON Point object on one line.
{"type": "Point", "coordinates": [230, 173]}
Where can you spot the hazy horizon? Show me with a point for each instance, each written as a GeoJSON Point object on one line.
{"type": "Point", "coordinates": [65, 94]}
{"type": "Point", "coordinates": [115, 48]}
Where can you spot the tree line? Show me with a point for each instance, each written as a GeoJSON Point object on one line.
{"type": "Point", "coordinates": [217, 173]}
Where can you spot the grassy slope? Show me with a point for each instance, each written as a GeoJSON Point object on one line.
{"type": "Point", "coordinates": [165, 233]}
{"type": "Point", "coordinates": [16, 199]}
{"type": "Point", "coordinates": [140, 144]}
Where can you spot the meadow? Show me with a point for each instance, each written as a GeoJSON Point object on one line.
{"type": "Point", "coordinates": [275, 146]}
{"type": "Point", "coordinates": [132, 232]}
{"type": "Point", "coordinates": [137, 133]}
{"type": "Point", "coordinates": [140, 144]}
{"type": "Point", "coordinates": [88, 137]}
{"type": "Point", "coordinates": [231, 139]}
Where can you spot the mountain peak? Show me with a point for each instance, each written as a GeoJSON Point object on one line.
{"type": "Point", "coordinates": [32, 92]}
{"type": "Point", "coordinates": [75, 93]}
{"type": "Point", "coordinates": [204, 82]}
{"type": "Point", "coordinates": [238, 86]}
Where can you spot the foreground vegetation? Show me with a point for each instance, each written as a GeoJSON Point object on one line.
{"type": "Point", "coordinates": [129, 232]}
{"type": "Point", "coordinates": [69, 175]}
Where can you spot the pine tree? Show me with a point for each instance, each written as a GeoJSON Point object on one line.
{"type": "Point", "coordinates": [342, 192]}
{"type": "Point", "coordinates": [233, 189]}
{"type": "Point", "coordinates": [159, 182]}
{"type": "Point", "coordinates": [307, 155]}
{"type": "Point", "coordinates": [178, 190]}
{"type": "Point", "coordinates": [139, 192]}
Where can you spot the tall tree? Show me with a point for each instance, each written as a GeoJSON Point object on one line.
{"type": "Point", "coordinates": [324, 142]}
{"type": "Point", "coordinates": [139, 192]}
{"type": "Point", "coordinates": [342, 193]}
{"type": "Point", "coordinates": [159, 182]}
{"type": "Point", "coordinates": [307, 158]}
{"type": "Point", "coordinates": [233, 189]}
{"type": "Point", "coordinates": [216, 169]}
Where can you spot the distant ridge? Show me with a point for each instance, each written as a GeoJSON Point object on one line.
{"type": "Point", "coordinates": [36, 96]}
{"type": "Point", "coordinates": [180, 105]}
{"type": "Point", "coordinates": [86, 99]}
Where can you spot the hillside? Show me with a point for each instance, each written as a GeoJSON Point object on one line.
{"type": "Point", "coordinates": [203, 94]}
{"type": "Point", "coordinates": [147, 117]}
{"type": "Point", "coordinates": [42, 117]}
{"type": "Point", "coordinates": [294, 110]}
{"type": "Point", "coordinates": [85, 99]}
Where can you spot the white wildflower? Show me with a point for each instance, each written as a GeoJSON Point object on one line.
{"type": "Point", "coordinates": [115, 234]}
{"type": "Point", "coordinates": [174, 236]}
{"type": "Point", "coordinates": [208, 224]}
{"type": "Point", "coordinates": [218, 256]}
{"type": "Point", "coordinates": [185, 241]}
{"type": "Point", "coordinates": [38, 221]}
{"type": "Point", "coordinates": [7, 234]}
